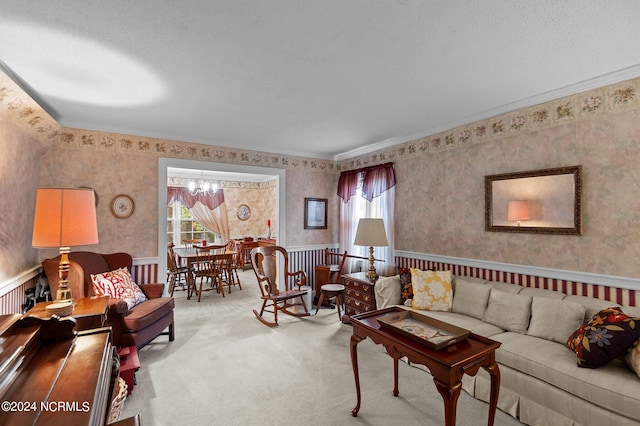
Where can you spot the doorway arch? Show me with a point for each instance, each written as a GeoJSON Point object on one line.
{"type": "Point", "coordinates": [166, 163]}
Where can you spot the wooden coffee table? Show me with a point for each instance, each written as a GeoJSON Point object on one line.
{"type": "Point", "coordinates": [89, 312]}
{"type": "Point", "coordinates": [447, 365]}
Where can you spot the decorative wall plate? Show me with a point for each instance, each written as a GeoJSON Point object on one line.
{"type": "Point", "coordinates": [122, 206]}
{"type": "Point", "coordinates": [244, 212]}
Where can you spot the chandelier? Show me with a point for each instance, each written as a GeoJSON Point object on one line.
{"type": "Point", "coordinates": [202, 187]}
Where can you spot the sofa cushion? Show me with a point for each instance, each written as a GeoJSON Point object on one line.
{"type": "Point", "coordinates": [509, 311]}
{"type": "Point", "coordinates": [432, 290]}
{"type": "Point", "coordinates": [632, 311]}
{"type": "Point", "coordinates": [470, 298]}
{"type": "Point", "coordinates": [506, 287]}
{"type": "Point", "coordinates": [118, 284]}
{"type": "Point", "coordinates": [606, 336]}
{"type": "Point", "coordinates": [593, 305]}
{"type": "Point", "coordinates": [461, 278]}
{"type": "Point", "coordinates": [541, 292]}
{"type": "Point", "coordinates": [146, 313]}
{"type": "Point", "coordinates": [554, 319]}
{"type": "Point", "coordinates": [633, 357]}
{"type": "Point", "coordinates": [613, 387]}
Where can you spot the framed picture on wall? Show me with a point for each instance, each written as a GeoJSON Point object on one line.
{"type": "Point", "coordinates": [315, 213]}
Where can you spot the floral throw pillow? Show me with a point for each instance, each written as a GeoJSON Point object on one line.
{"type": "Point", "coordinates": [118, 284]}
{"type": "Point", "coordinates": [405, 283]}
{"type": "Point", "coordinates": [606, 336]}
{"type": "Point", "coordinates": [432, 290]}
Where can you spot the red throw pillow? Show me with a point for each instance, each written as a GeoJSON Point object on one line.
{"type": "Point", "coordinates": [606, 336]}
{"type": "Point", "coordinates": [118, 284]}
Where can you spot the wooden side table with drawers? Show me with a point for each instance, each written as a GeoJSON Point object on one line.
{"type": "Point", "coordinates": [358, 295]}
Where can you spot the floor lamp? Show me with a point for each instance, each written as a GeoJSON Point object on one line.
{"type": "Point", "coordinates": [64, 218]}
{"type": "Point", "coordinates": [371, 233]}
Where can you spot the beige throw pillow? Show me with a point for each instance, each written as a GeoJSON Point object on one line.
{"type": "Point", "coordinates": [554, 319]}
{"type": "Point", "coordinates": [508, 311]}
{"type": "Point", "coordinates": [470, 298]}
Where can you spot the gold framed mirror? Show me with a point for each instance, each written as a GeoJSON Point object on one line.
{"type": "Point", "coordinates": [546, 201]}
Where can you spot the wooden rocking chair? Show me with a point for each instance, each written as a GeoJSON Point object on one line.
{"type": "Point", "coordinates": [264, 261]}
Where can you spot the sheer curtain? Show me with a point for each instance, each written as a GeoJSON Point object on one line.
{"type": "Point", "coordinates": [209, 210]}
{"type": "Point", "coordinates": [368, 193]}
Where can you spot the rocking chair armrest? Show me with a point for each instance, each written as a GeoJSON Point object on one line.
{"type": "Point", "coordinates": [300, 282]}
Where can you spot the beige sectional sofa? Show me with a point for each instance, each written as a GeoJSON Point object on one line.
{"type": "Point", "coordinates": [541, 383]}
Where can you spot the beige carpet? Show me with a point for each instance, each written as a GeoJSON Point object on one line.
{"type": "Point", "coordinates": [227, 368]}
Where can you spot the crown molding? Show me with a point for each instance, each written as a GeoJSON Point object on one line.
{"type": "Point", "coordinates": [572, 89]}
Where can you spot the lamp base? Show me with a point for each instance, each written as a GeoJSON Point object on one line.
{"type": "Point", "coordinates": [64, 292]}
{"type": "Point", "coordinates": [372, 275]}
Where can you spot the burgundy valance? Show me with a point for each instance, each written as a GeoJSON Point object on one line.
{"type": "Point", "coordinates": [375, 181]}
{"type": "Point", "coordinates": [184, 196]}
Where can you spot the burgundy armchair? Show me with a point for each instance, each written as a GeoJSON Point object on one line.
{"type": "Point", "coordinates": [130, 327]}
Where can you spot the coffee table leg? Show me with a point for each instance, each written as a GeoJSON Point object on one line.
{"type": "Point", "coordinates": [450, 396]}
{"type": "Point", "coordinates": [395, 377]}
{"type": "Point", "coordinates": [494, 372]}
{"type": "Point", "coordinates": [354, 362]}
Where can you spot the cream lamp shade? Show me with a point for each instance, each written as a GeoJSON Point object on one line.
{"type": "Point", "coordinates": [64, 218]}
{"type": "Point", "coordinates": [371, 233]}
{"type": "Point", "coordinates": [518, 210]}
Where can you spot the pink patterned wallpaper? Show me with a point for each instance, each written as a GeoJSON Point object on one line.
{"type": "Point", "coordinates": [439, 195]}
{"type": "Point", "coordinates": [440, 182]}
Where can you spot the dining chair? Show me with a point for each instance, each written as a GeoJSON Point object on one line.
{"type": "Point", "coordinates": [211, 267]}
{"type": "Point", "coordinates": [234, 249]}
{"type": "Point", "coordinates": [176, 275]}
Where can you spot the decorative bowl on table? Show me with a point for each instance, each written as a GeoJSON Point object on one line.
{"type": "Point", "coordinates": [61, 309]}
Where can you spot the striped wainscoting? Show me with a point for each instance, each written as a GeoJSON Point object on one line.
{"type": "Point", "coordinates": [12, 292]}
{"type": "Point", "coordinates": [618, 290]}
{"type": "Point", "coordinates": [305, 259]}
{"type": "Point", "coordinates": [145, 271]}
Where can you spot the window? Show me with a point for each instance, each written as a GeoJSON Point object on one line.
{"type": "Point", "coordinates": [181, 226]}
{"type": "Point", "coordinates": [368, 193]}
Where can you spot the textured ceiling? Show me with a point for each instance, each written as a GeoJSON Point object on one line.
{"type": "Point", "coordinates": [320, 78]}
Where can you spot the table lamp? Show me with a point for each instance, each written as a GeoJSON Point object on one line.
{"type": "Point", "coordinates": [371, 233]}
{"type": "Point", "coordinates": [64, 218]}
{"type": "Point", "coordinates": [518, 210]}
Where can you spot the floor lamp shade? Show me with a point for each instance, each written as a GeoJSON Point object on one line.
{"type": "Point", "coordinates": [64, 218]}
{"type": "Point", "coordinates": [371, 233]}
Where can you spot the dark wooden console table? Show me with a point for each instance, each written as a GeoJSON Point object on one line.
{"type": "Point", "coordinates": [447, 366]}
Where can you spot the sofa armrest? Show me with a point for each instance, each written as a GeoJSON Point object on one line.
{"type": "Point", "coordinates": [388, 292]}
{"type": "Point", "coordinates": [152, 291]}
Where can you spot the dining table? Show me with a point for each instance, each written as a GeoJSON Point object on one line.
{"type": "Point", "coordinates": [190, 256]}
